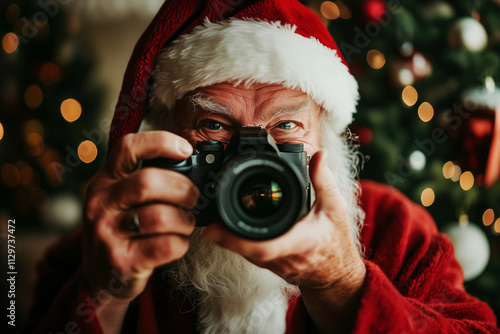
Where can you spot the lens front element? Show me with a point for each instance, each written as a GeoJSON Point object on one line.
{"type": "Point", "coordinates": [260, 196]}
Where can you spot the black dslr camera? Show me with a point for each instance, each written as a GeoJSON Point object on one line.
{"type": "Point", "coordinates": [256, 187]}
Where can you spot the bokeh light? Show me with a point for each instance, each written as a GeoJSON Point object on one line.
{"type": "Point", "coordinates": [427, 197]}
{"type": "Point", "coordinates": [33, 96]}
{"type": "Point", "coordinates": [375, 59]}
{"type": "Point", "coordinates": [1, 131]}
{"type": "Point", "coordinates": [87, 151]}
{"type": "Point", "coordinates": [55, 174]}
{"type": "Point", "coordinates": [345, 12]}
{"type": "Point", "coordinates": [417, 160]}
{"type": "Point", "coordinates": [49, 73]}
{"type": "Point", "coordinates": [375, 9]}
{"type": "Point", "coordinates": [488, 217]}
{"type": "Point", "coordinates": [409, 95]}
{"type": "Point", "coordinates": [448, 169]}
{"type": "Point", "coordinates": [48, 156]}
{"type": "Point", "coordinates": [329, 10]}
{"type": "Point", "coordinates": [12, 13]}
{"type": "Point", "coordinates": [26, 175]}
{"type": "Point", "coordinates": [71, 110]}
{"type": "Point", "coordinates": [35, 126]}
{"type": "Point", "coordinates": [35, 143]}
{"type": "Point", "coordinates": [496, 227]}
{"type": "Point", "coordinates": [10, 42]}
{"type": "Point", "coordinates": [10, 175]}
{"type": "Point", "coordinates": [466, 180]}
{"type": "Point", "coordinates": [25, 171]}
{"type": "Point", "coordinates": [425, 111]}
{"type": "Point", "coordinates": [457, 172]}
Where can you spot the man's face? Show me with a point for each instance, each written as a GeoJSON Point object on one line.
{"type": "Point", "coordinates": [217, 111]}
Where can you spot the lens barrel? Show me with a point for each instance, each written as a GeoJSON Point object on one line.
{"type": "Point", "coordinates": [260, 195]}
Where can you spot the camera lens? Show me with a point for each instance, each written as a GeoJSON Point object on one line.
{"type": "Point", "coordinates": [260, 196]}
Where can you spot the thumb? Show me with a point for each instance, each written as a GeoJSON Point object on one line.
{"type": "Point", "coordinates": [328, 195]}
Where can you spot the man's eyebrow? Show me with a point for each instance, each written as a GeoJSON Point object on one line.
{"type": "Point", "coordinates": [207, 104]}
{"type": "Point", "coordinates": [294, 110]}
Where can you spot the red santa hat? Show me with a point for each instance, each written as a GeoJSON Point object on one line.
{"type": "Point", "coordinates": [193, 43]}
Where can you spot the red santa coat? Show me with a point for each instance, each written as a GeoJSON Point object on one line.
{"type": "Point", "coordinates": [413, 283]}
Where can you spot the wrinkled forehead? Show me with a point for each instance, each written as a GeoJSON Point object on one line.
{"type": "Point", "coordinates": [257, 100]}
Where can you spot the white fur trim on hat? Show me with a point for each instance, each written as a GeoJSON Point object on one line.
{"type": "Point", "coordinates": [251, 51]}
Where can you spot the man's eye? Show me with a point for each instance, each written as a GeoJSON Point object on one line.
{"type": "Point", "coordinates": [213, 125]}
{"type": "Point", "coordinates": [287, 125]}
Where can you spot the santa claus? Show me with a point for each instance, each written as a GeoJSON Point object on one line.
{"type": "Point", "coordinates": [364, 259]}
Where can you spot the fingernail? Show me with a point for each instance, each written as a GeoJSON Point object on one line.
{"type": "Point", "coordinates": [184, 147]}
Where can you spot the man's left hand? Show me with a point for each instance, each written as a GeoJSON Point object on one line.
{"type": "Point", "coordinates": [319, 251]}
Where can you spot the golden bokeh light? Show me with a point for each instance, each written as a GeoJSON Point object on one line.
{"type": "Point", "coordinates": [35, 126]}
{"type": "Point", "coordinates": [10, 42]}
{"type": "Point", "coordinates": [10, 175]}
{"type": "Point", "coordinates": [488, 217]}
{"type": "Point", "coordinates": [33, 96]}
{"type": "Point", "coordinates": [425, 111]}
{"type": "Point", "coordinates": [87, 151]}
{"type": "Point", "coordinates": [409, 95]}
{"type": "Point", "coordinates": [35, 143]}
{"type": "Point", "coordinates": [375, 59]}
{"type": "Point", "coordinates": [496, 227]}
{"type": "Point", "coordinates": [345, 12]}
{"type": "Point", "coordinates": [466, 180]}
{"type": "Point", "coordinates": [448, 169]}
{"type": "Point", "coordinates": [427, 197]}
{"type": "Point", "coordinates": [1, 131]}
{"type": "Point", "coordinates": [71, 110]}
{"type": "Point", "coordinates": [329, 10]}
{"type": "Point", "coordinates": [457, 172]}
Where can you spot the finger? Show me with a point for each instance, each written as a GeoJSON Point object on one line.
{"type": "Point", "coordinates": [256, 251]}
{"type": "Point", "coordinates": [328, 196]}
{"type": "Point", "coordinates": [131, 148]}
{"type": "Point", "coordinates": [153, 185]}
{"type": "Point", "coordinates": [149, 253]}
{"type": "Point", "coordinates": [154, 219]}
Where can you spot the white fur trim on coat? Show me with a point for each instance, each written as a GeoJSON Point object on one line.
{"type": "Point", "coordinates": [250, 51]}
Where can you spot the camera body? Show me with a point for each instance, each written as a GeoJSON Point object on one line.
{"type": "Point", "coordinates": [257, 188]}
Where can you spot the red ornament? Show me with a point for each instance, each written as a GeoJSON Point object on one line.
{"type": "Point", "coordinates": [365, 136]}
{"type": "Point", "coordinates": [375, 9]}
{"type": "Point", "coordinates": [479, 137]}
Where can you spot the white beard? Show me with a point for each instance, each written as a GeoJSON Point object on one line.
{"type": "Point", "coordinates": [231, 294]}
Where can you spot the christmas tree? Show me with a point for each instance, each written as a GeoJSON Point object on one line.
{"type": "Point", "coordinates": [49, 100]}
{"type": "Point", "coordinates": [428, 120]}
{"type": "Point", "coordinates": [49, 137]}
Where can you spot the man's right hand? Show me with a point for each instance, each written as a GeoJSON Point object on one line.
{"type": "Point", "coordinates": [157, 198]}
